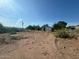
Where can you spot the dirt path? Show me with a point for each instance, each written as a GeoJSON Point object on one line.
{"type": "Point", "coordinates": [39, 45]}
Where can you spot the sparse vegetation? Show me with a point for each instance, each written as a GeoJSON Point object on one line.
{"type": "Point", "coordinates": [11, 30]}
{"type": "Point", "coordinates": [62, 31]}
{"type": "Point", "coordinates": [13, 37]}
{"type": "Point", "coordinates": [77, 30]}
{"type": "Point", "coordinates": [64, 34]}
{"type": "Point", "coordinates": [2, 40]}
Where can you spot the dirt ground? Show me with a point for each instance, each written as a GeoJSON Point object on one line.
{"type": "Point", "coordinates": [40, 45]}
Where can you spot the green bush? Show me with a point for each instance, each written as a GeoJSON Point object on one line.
{"type": "Point", "coordinates": [64, 34]}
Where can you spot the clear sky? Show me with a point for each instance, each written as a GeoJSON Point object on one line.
{"type": "Point", "coordinates": [38, 12]}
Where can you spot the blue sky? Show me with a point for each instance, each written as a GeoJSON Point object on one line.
{"type": "Point", "coordinates": [38, 12]}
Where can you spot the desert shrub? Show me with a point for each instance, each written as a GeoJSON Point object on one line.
{"type": "Point", "coordinates": [77, 30]}
{"type": "Point", "coordinates": [2, 40]}
{"type": "Point", "coordinates": [13, 37]}
{"type": "Point", "coordinates": [64, 34]}
{"type": "Point", "coordinates": [12, 32]}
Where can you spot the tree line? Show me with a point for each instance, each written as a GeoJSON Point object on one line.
{"type": "Point", "coordinates": [56, 26]}
{"type": "Point", "coordinates": [5, 29]}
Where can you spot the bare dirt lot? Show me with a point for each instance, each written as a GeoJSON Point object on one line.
{"type": "Point", "coordinates": [40, 45]}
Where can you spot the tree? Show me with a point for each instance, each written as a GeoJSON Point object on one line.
{"type": "Point", "coordinates": [60, 25]}
{"type": "Point", "coordinates": [34, 27]}
{"type": "Point", "coordinates": [4, 29]}
{"type": "Point", "coordinates": [37, 27]}
{"type": "Point", "coordinates": [1, 28]}
{"type": "Point", "coordinates": [29, 27]}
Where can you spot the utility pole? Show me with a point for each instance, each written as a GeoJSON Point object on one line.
{"type": "Point", "coordinates": [22, 25]}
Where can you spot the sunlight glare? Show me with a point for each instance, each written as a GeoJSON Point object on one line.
{"type": "Point", "coordinates": [4, 3]}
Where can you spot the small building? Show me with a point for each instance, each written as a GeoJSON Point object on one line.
{"type": "Point", "coordinates": [71, 27]}
{"type": "Point", "coordinates": [77, 27]}
{"type": "Point", "coordinates": [46, 28]}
